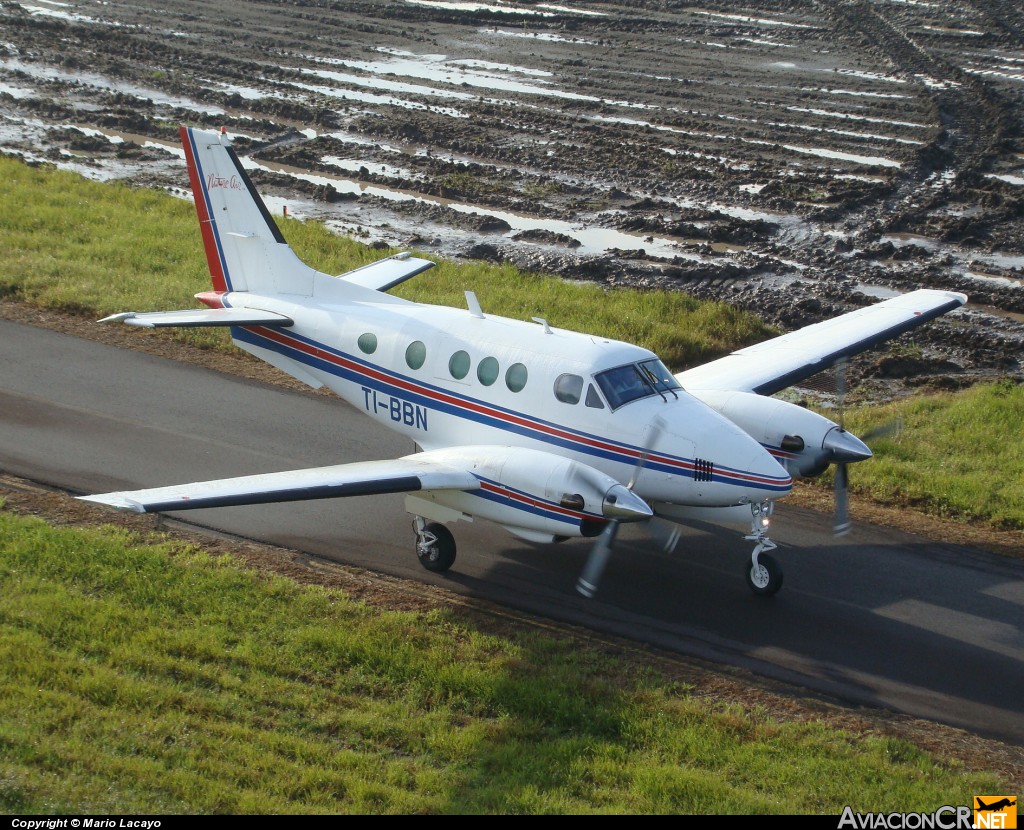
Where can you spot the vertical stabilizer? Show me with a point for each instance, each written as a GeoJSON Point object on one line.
{"type": "Point", "coordinates": [244, 247]}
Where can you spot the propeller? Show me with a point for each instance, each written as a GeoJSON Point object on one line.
{"type": "Point", "coordinates": [618, 509]}
{"type": "Point", "coordinates": [842, 448]}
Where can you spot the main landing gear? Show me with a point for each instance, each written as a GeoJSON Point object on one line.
{"type": "Point", "coordinates": [764, 576]}
{"type": "Point", "coordinates": [435, 545]}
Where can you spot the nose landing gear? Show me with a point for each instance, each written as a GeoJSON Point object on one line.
{"type": "Point", "coordinates": [764, 576]}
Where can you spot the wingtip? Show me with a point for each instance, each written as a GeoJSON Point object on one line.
{"type": "Point", "coordinates": [115, 500]}
{"type": "Point", "coordinates": [120, 317]}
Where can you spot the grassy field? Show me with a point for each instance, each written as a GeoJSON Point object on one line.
{"type": "Point", "coordinates": [147, 676]}
{"type": "Point", "coordinates": [956, 455]}
{"type": "Point", "coordinates": [93, 248]}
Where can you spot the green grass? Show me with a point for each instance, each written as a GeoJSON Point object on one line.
{"type": "Point", "coordinates": [958, 455]}
{"type": "Point", "coordinates": [152, 677]}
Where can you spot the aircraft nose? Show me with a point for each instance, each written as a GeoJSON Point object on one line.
{"type": "Point", "coordinates": [625, 505]}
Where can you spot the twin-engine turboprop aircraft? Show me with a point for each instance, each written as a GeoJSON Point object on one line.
{"type": "Point", "coordinates": [546, 432]}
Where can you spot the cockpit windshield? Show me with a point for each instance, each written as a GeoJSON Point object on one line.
{"type": "Point", "coordinates": [636, 380]}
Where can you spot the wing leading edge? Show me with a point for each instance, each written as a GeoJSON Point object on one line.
{"type": "Point", "coordinates": [365, 478]}
{"type": "Point", "coordinates": [769, 367]}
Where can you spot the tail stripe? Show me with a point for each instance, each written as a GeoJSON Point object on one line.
{"type": "Point", "coordinates": [211, 243]}
{"type": "Point", "coordinates": [271, 224]}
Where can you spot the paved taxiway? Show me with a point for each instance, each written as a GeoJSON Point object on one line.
{"type": "Point", "coordinates": [879, 617]}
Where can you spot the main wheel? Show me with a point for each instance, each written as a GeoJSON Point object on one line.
{"type": "Point", "coordinates": [764, 578]}
{"type": "Point", "coordinates": [436, 548]}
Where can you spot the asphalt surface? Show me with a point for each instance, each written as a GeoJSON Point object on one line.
{"type": "Point", "coordinates": [878, 617]}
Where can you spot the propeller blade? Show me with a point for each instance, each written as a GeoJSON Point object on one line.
{"type": "Point", "coordinates": [620, 505]}
{"type": "Point", "coordinates": [598, 559]}
{"type": "Point", "coordinates": [653, 433]}
{"type": "Point", "coordinates": [840, 367]}
{"type": "Point", "coordinates": [886, 430]}
{"type": "Point", "coordinates": [842, 521]}
{"type": "Point", "coordinates": [666, 534]}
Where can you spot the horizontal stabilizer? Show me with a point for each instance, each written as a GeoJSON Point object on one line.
{"type": "Point", "coordinates": [387, 273]}
{"type": "Point", "coordinates": [365, 478]}
{"type": "Point", "coordinates": [200, 317]}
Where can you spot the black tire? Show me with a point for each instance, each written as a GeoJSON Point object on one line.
{"type": "Point", "coordinates": [765, 579]}
{"type": "Point", "coordinates": [440, 555]}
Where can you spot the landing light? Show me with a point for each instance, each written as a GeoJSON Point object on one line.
{"type": "Point", "coordinates": [761, 513]}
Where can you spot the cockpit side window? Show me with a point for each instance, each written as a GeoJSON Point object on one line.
{"type": "Point", "coordinates": [569, 388]}
{"type": "Point", "coordinates": [593, 399]}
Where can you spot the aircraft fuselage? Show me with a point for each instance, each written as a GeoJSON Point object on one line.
{"type": "Point", "coordinates": [448, 377]}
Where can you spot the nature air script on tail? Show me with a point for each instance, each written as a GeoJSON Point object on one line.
{"type": "Point", "coordinates": [547, 432]}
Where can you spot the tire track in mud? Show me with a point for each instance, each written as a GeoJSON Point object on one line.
{"type": "Point", "coordinates": [973, 122]}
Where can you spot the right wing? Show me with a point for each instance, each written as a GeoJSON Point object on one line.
{"type": "Point", "coordinates": [363, 478]}
{"type": "Point", "coordinates": [769, 367]}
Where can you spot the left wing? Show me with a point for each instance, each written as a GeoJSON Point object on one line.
{"type": "Point", "coordinates": [364, 478]}
{"type": "Point", "coordinates": [768, 367]}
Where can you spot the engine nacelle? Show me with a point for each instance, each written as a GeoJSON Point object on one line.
{"type": "Point", "coordinates": [804, 442]}
{"type": "Point", "coordinates": [535, 494]}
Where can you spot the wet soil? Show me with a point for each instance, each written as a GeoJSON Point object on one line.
{"type": "Point", "coordinates": [795, 158]}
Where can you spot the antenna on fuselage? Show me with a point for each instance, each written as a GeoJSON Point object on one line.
{"type": "Point", "coordinates": [474, 305]}
{"type": "Point", "coordinates": [543, 322]}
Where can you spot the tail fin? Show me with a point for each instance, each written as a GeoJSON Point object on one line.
{"type": "Point", "coordinates": [244, 247]}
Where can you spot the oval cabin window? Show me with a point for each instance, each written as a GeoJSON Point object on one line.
{"type": "Point", "coordinates": [487, 371]}
{"type": "Point", "coordinates": [458, 366]}
{"type": "Point", "coordinates": [515, 377]}
{"type": "Point", "coordinates": [416, 354]}
{"type": "Point", "coordinates": [367, 343]}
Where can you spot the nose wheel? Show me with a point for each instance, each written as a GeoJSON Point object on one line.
{"type": "Point", "coordinates": [435, 545]}
{"type": "Point", "coordinates": [764, 575]}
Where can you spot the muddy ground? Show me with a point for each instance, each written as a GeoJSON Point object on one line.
{"type": "Point", "coordinates": [795, 158]}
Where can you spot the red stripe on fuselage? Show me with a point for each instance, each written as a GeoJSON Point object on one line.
{"type": "Point", "coordinates": [205, 222]}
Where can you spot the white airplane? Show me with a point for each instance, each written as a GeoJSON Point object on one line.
{"type": "Point", "coordinates": [549, 433]}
